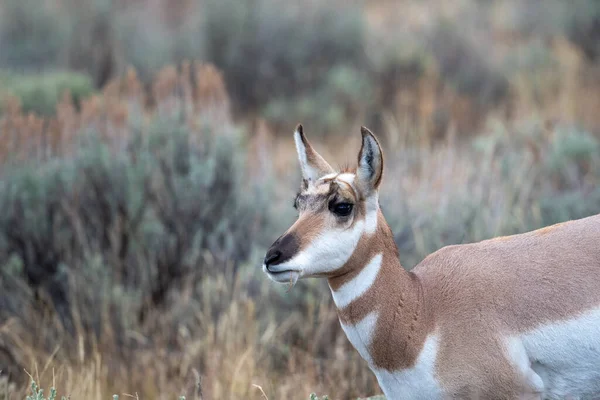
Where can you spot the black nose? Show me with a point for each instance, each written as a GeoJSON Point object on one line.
{"type": "Point", "coordinates": [282, 250]}
{"type": "Point", "coordinates": [272, 256]}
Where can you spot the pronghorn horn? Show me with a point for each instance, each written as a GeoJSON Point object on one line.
{"type": "Point", "coordinates": [313, 166]}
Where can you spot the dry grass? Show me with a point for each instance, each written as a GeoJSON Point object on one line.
{"type": "Point", "coordinates": [222, 359]}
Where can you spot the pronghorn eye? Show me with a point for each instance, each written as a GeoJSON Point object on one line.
{"type": "Point", "coordinates": [342, 209]}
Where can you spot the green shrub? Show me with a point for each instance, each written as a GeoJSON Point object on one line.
{"type": "Point", "coordinates": [148, 44]}
{"type": "Point", "coordinates": [579, 21]}
{"type": "Point", "coordinates": [465, 66]}
{"type": "Point", "coordinates": [137, 223]}
{"type": "Point", "coordinates": [39, 93]}
{"type": "Point", "coordinates": [38, 394]}
{"type": "Point", "coordinates": [279, 58]}
{"type": "Point", "coordinates": [32, 34]}
{"type": "Point", "coordinates": [327, 107]}
{"type": "Point", "coordinates": [92, 46]}
{"type": "Point", "coordinates": [583, 28]}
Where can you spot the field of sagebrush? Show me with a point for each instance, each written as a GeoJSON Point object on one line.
{"type": "Point", "coordinates": [147, 162]}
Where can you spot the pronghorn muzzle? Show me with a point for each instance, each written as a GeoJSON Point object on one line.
{"type": "Point", "coordinates": [282, 250]}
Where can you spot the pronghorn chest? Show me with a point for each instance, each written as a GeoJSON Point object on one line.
{"type": "Point", "coordinates": [417, 382]}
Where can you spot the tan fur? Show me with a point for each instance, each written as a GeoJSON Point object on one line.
{"type": "Point", "coordinates": [472, 296]}
{"type": "Point", "coordinates": [307, 228]}
{"type": "Point", "coordinates": [403, 322]}
{"type": "Point", "coordinates": [550, 228]}
{"type": "Point", "coordinates": [508, 287]}
{"type": "Point", "coordinates": [310, 224]}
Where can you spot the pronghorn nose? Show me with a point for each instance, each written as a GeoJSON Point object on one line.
{"type": "Point", "coordinates": [282, 250]}
{"type": "Point", "coordinates": [272, 256]}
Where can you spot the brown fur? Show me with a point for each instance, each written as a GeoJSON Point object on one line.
{"type": "Point", "coordinates": [403, 322]}
{"type": "Point", "coordinates": [471, 296]}
{"type": "Point", "coordinates": [315, 201]}
{"type": "Point", "coordinates": [307, 228]}
{"type": "Point", "coordinates": [505, 288]}
{"type": "Point", "coordinates": [475, 295]}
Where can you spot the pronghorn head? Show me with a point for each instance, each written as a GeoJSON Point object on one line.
{"type": "Point", "coordinates": [335, 209]}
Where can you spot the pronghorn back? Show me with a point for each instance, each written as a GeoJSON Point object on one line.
{"type": "Point", "coordinates": [514, 317]}
{"type": "Point", "coordinates": [534, 297]}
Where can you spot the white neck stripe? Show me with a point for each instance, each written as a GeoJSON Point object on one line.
{"type": "Point", "coordinates": [353, 289]}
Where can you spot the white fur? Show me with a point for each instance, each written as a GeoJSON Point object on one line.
{"type": "Point", "coordinates": [517, 354]}
{"type": "Point", "coordinates": [328, 176]}
{"type": "Point", "coordinates": [355, 288]}
{"type": "Point", "coordinates": [416, 383]}
{"type": "Point", "coordinates": [361, 334]}
{"type": "Point", "coordinates": [347, 177]}
{"type": "Point", "coordinates": [327, 252]}
{"type": "Point", "coordinates": [566, 356]}
{"type": "Point", "coordinates": [372, 204]}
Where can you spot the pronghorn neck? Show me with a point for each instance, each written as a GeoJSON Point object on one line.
{"type": "Point", "coordinates": [381, 305]}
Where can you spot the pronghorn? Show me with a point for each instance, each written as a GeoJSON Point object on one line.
{"type": "Point", "coordinates": [514, 317]}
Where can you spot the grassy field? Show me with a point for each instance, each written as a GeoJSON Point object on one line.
{"type": "Point", "coordinates": [139, 191]}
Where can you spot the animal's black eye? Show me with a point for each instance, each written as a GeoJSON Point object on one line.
{"type": "Point", "coordinates": [342, 209]}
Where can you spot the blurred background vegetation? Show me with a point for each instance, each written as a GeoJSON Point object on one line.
{"type": "Point", "coordinates": [147, 162]}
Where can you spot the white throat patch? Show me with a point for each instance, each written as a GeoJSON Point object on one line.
{"type": "Point", "coordinates": [328, 252]}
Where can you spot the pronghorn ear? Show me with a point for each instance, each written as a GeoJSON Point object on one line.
{"type": "Point", "coordinates": [313, 166]}
{"type": "Point", "coordinates": [370, 162]}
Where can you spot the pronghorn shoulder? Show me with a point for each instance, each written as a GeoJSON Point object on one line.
{"type": "Point", "coordinates": [558, 238]}
{"type": "Point", "coordinates": [447, 259]}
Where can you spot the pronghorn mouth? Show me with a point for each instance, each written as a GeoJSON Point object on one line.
{"type": "Point", "coordinates": [283, 276]}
